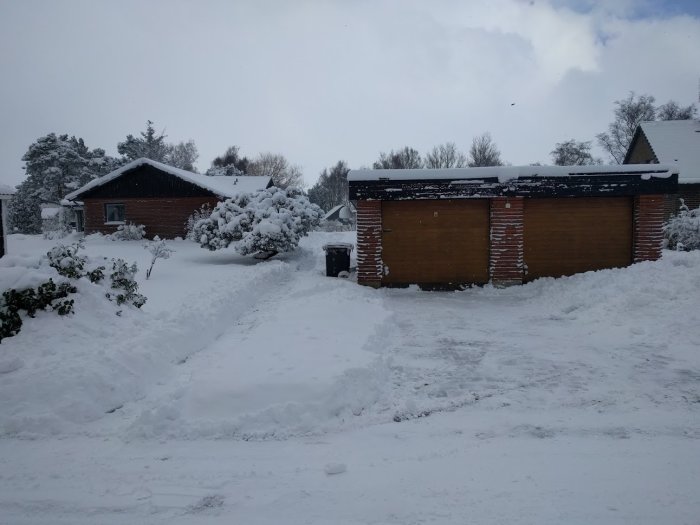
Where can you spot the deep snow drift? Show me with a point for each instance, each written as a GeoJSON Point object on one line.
{"type": "Point", "coordinates": [267, 393]}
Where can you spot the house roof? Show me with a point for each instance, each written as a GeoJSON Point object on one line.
{"type": "Point", "coordinates": [504, 174]}
{"type": "Point", "coordinates": [339, 212]}
{"type": "Point", "coordinates": [6, 191]}
{"type": "Point", "coordinates": [673, 142]}
{"type": "Point", "coordinates": [222, 186]}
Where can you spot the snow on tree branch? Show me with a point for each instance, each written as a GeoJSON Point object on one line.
{"type": "Point", "coordinates": [269, 221]}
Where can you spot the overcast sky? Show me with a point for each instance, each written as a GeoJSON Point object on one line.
{"type": "Point", "coordinates": [320, 81]}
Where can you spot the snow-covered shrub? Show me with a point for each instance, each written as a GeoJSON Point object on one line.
{"type": "Point", "coordinates": [55, 225]}
{"type": "Point", "coordinates": [66, 261]}
{"type": "Point", "coordinates": [204, 212]}
{"type": "Point", "coordinates": [683, 231]}
{"type": "Point", "coordinates": [32, 300]}
{"type": "Point", "coordinates": [268, 221]}
{"type": "Point", "coordinates": [159, 250]}
{"type": "Point", "coordinates": [129, 232]}
{"type": "Point", "coordinates": [122, 279]}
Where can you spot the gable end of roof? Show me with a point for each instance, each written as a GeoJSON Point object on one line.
{"type": "Point", "coordinates": [638, 135]}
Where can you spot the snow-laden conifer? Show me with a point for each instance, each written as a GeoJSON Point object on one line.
{"type": "Point", "coordinates": [268, 221]}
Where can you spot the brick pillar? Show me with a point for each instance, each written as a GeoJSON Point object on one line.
{"type": "Point", "coordinates": [506, 263]}
{"type": "Point", "coordinates": [648, 227]}
{"type": "Point", "coordinates": [369, 243]}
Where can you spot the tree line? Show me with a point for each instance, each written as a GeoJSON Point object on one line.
{"type": "Point", "coordinates": [55, 164]}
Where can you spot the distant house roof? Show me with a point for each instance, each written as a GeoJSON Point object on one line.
{"type": "Point", "coordinates": [6, 191]}
{"type": "Point", "coordinates": [675, 143]}
{"type": "Point", "coordinates": [222, 186]}
{"type": "Point", "coordinates": [339, 212]}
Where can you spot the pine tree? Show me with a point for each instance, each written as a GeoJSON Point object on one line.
{"type": "Point", "coordinates": [55, 165]}
{"type": "Point", "coordinates": [150, 145]}
{"type": "Point", "coordinates": [229, 164]}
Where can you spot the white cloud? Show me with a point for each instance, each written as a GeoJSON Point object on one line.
{"type": "Point", "coordinates": [323, 81]}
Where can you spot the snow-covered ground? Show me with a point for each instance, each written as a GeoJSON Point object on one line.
{"type": "Point", "coordinates": [265, 392]}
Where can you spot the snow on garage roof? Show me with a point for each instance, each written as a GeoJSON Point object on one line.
{"type": "Point", "coordinates": [222, 186]}
{"type": "Point", "coordinates": [506, 173]}
{"type": "Point", "coordinates": [676, 143]}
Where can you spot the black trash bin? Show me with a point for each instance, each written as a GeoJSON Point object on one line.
{"type": "Point", "coordinates": [337, 258]}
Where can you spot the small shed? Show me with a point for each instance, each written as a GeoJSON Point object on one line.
{"type": "Point", "coordinates": [673, 143]}
{"type": "Point", "coordinates": [505, 225]}
{"type": "Point", "coordinates": [6, 193]}
{"type": "Point", "coordinates": [154, 194]}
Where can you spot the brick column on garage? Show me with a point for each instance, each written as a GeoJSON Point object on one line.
{"type": "Point", "coordinates": [369, 243]}
{"type": "Point", "coordinates": [506, 245]}
{"type": "Point", "coordinates": [648, 227]}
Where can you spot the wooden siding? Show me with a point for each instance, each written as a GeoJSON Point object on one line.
{"type": "Point", "coordinates": [163, 217]}
{"type": "Point", "coordinates": [641, 152]}
{"type": "Point", "coordinates": [435, 242]}
{"type": "Point", "coordinates": [148, 182]}
{"type": "Point", "coordinates": [568, 236]}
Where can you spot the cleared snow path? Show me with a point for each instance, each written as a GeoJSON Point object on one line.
{"type": "Point", "coordinates": [271, 394]}
{"type": "Point", "coordinates": [298, 361]}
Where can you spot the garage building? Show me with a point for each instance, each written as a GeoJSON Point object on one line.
{"type": "Point", "coordinates": [505, 225]}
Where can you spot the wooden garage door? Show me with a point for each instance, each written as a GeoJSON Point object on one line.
{"type": "Point", "coordinates": [570, 235]}
{"type": "Point", "coordinates": [435, 241]}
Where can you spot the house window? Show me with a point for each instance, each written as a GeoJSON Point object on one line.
{"type": "Point", "coordinates": [114, 213]}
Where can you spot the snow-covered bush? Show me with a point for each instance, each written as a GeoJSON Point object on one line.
{"type": "Point", "coordinates": [683, 231]}
{"type": "Point", "coordinates": [268, 221]}
{"type": "Point", "coordinates": [122, 279]}
{"type": "Point", "coordinates": [159, 250]}
{"type": "Point", "coordinates": [55, 225]}
{"type": "Point", "coordinates": [66, 261]}
{"type": "Point", "coordinates": [129, 232]}
{"type": "Point", "coordinates": [204, 212]}
{"type": "Point", "coordinates": [31, 300]}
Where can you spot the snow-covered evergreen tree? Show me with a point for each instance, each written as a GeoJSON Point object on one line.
{"type": "Point", "coordinates": [230, 164]}
{"type": "Point", "coordinates": [149, 145]}
{"type": "Point", "coordinates": [268, 221]}
{"type": "Point", "coordinates": [55, 166]}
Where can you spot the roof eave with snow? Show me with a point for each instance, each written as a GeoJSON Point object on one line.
{"type": "Point", "coordinates": [504, 174]}
{"type": "Point", "coordinates": [211, 184]}
{"type": "Point", "coordinates": [513, 181]}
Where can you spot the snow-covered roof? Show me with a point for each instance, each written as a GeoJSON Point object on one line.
{"type": "Point", "coordinates": [222, 186]}
{"type": "Point", "coordinates": [341, 211]}
{"type": "Point", "coordinates": [6, 191]}
{"type": "Point", "coordinates": [50, 212]}
{"type": "Point", "coordinates": [676, 143]}
{"type": "Point", "coordinates": [506, 173]}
